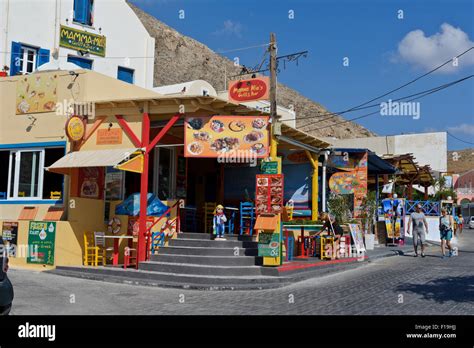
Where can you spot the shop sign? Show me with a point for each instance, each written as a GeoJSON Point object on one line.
{"type": "Point", "coordinates": [269, 244]}
{"type": "Point", "coordinates": [269, 194]}
{"type": "Point", "coordinates": [36, 93]}
{"type": "Point", "coordinates": [134, 165]}
{"type": "Point", "coordinates": [357, 237]}
{"type": "Point", "coordinates": [114, 184]}
{"type": "Point", "coordinates": [91, 182]}
{"type": "Point", "coordinates": [75, 128]}
{"type": "Point", "coordinates": [10, 236]}
{"type": "Point", "coordinates": [249, 90]}
{"type": "Point", "coordinates": [109, 136]}
{"type": "Point", "coordinates": [230, 138]}
{"type": "Point", "coordinates": [270, 167]}
{"type": "Point", "coordinates": [41, 242]}
{"type": "Point", "coordinates": [82, 41]}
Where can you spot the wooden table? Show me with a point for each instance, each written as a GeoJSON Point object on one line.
{"type": "Point", "coordinates": [116, 239]}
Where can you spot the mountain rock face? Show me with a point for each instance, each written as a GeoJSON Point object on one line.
{"type": "Point", "coordinates": [179, 58]}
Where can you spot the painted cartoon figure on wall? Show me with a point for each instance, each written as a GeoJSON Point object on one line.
{"type": "Point", "coordinates": [218, 222]}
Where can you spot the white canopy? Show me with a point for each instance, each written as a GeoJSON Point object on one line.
{"type": "Point", "coordinates": [93, 158]}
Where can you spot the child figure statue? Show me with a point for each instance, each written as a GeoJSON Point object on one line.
{"type": "Point", "coordinates": [218, 222]}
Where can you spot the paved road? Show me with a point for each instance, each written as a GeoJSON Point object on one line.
{"type": "Point", "coordinates": [394, 285]}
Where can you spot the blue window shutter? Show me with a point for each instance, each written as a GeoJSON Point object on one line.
{"type": "Point", "coordinates": [125, 74]}
{"type": "Point", "coordinates": [80, 11]}
{"type": "Point", "coordinates": [15, 58]}
{"type": "Point", "coordinates": [43, 57]}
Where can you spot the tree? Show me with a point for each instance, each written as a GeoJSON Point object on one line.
{"type": "Point", "coordinates": [339, 206]}
{"type": "Point", "coordinates": [369, 211]}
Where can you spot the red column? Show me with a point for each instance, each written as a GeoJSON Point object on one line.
{"type": "Point", "coordinates": [426, 193]}
{"type": "Point", "coordinates": [142, 252]}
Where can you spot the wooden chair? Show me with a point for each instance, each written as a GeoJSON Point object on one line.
{"type": "Point", "coordinates": [157, 241]}
{"type": "Point", "coordinates": [90, 250]}
{"type": "Point", "coordinates": [230, 224]}
{"type": "Point", "coordinates": [247, 217]}
{"type": "Point", "coordinates": [55, 195]}
{"type": "Point", "coordinates": [209, 208]}
{"type": "Point", "coordinates": [290, 208]}
{"type": "Point", "coordinates": [131, 256]}
{"type": "Point", "coordinates": [99, 240]}
{"type": "Point", "coordinates": [21, 194]}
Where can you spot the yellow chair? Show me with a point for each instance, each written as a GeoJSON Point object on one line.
{"type": "Point", "coordinates": [331, 253]}
{"type": "Point", "coordinates": [55, 195]}
{"type": "Point", "coordinates": [209, 208]}
{"type": "Point", "coordinates": [21, 194]}
{"type": "Point", "coordinates": [91, 252]}
{"type": "Point", "coordinates": [290, 207]}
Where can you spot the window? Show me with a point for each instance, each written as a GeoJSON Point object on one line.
{"type": "Point", "coordinates": [25, 59]}
{"type": "Point", "coordinates": [125, 74]}
{"type": "Point", "coordinates": [82, 62]}
{"type": "Point", "coordinates": [24, 176]}
{"type": "Point", "coordinates": [164, 180]}
{"type": "Point", "coordinates": [83, 12]}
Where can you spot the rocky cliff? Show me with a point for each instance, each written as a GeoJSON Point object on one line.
{"type": "Point", "coordinates": [179, 58]}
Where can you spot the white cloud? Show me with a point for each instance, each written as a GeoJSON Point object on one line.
{"type": "Point", "coordinates": [230, 28]}
{"type": "Point", "coordinates": [427, 52]}
{"type": "Point", "coordinates": [463, 129]}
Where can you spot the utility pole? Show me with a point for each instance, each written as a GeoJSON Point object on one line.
{"type": "Point", "coordinates": [276, 127]}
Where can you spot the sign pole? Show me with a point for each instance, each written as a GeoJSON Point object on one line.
{"type": "Point", "coordinates": [273, 102]}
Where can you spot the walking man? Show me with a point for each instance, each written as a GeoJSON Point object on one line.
{"type": "Point", "coordinates": [419, 226]}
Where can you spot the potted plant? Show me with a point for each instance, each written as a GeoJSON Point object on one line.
{"type": "Point", "coordinates": [4, 71]}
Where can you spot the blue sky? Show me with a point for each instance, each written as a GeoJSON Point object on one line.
{"type": "Point", "coordinates": [384, 52]}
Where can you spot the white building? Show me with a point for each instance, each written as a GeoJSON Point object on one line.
{"type": "Point", "coordinates": [102, 35]}
{"type": "Point", "coordinates": [427, 148]}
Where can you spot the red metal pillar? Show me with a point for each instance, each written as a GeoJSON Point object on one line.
{"type": "Point", "coordinates": [142, 236]}
{"type": "Point", "coordinates": [426, 193]}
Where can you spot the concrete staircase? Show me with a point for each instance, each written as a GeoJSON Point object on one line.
{"type": "Point", "coordinates": [194, 260]}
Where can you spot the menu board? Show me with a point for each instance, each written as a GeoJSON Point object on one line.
{"type": "Point", "coordinates": [36, 93]}
{"type": "Point", "coordinates": [10, 236]}
{"type": "Point", "coordinates": [220, 136]}
{"type": "Point", "coordinates": [269, 194]}
{"type": "Point", "coordinates": [269, 244]}
{"type": "Point", "coordinates": [91, 182]}
{"type": "Point", "coordinates": [41, 242]}
{"type": "Point", "coordinates": [357, 237]}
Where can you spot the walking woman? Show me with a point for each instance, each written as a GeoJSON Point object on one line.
{"type": "Point", "coordinates": [446, 227]}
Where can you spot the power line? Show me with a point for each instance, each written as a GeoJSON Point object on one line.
{"type": "Point", "coordinates": [360, 106]}
{"type": "Point", "coordinates": [461, 140]}
{"type": "Point", "coordinates": [424, 94]}
{"type": "Point", "coordinates": [241, 48]}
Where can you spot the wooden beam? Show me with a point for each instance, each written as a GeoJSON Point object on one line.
{"type": "Point", "coordinates": [126, 128]}
{"type": "Point", "coordinates": [163, 131]}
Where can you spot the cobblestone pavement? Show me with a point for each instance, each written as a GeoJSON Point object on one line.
{"type": "Point", "coordinates": [393, 285]}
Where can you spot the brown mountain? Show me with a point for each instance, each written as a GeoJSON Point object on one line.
{"type": "Point", "coordinates": [460, 161]}
{"type": "Point", "coordinates": [179, 58]}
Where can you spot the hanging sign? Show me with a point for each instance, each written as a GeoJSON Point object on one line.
{"type": "Point", "coordinates": [134, 165]}
{"type": "Point", "coordinates": [91, 182]}
{"type": "Point", "coordinates": [41, 242]}
{"type": "Point", "coordinates": [75, 128]}
{"type": "Point", "coordinates": [249, 90]}
{"type": "Point", "coordinates": [235, 138]}
{"type": "Point", "coordinates": [111, 136]}
{"type": "Point", "coordinates": [82, 41]}
{"type": "Point", "coordinates": [269, 194]}
{"type": "Point", "coordinates": [270, 167]}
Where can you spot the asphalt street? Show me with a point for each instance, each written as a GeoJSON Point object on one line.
{"type": "Point", "coordinates": [393, 285]}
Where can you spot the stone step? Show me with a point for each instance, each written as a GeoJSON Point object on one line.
{"type": "Point", "coordinates": [164, 279]}
{"type": "Point", "coordinates": [191, 250]}
{"type": "Point", "coordinates": [195, 269]}
{"type": "Point", "coordinates": [208, 259]}
{"type": "Point", "coordinates": [211, 243]}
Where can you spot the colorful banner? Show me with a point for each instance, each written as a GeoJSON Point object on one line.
{"type": "Point", "coordinates": [343, 182]}
{"type": "Point", "coordinates": [235, 137]}
{"type": "Point", "coordinates": [41, 242]}
{"type": "Point", "coordinates": [249, 90]}
{"type": "Point", "coordinates": [82, 41]}
{"type": "Point", "coordinates": [36, 93]}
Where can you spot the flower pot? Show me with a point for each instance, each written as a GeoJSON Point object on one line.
{"type": "Point", "coordinates": [3, 74]}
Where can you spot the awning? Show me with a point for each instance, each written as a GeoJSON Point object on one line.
{"type": "Point", "coordinates": [94, 158]}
